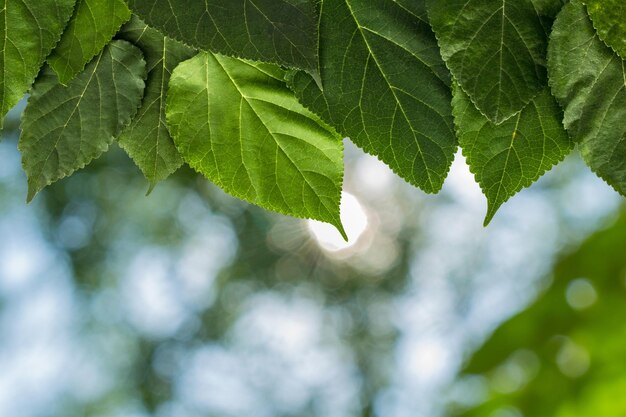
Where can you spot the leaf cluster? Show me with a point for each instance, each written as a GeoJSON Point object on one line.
{"type": "Point", "coordinates": [256, 95]}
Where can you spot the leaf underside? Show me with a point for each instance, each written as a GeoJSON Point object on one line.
{"type": "Point", "coordinates": [237, 123]}
{"type": "Point", "coordinates": [93, 25]}
{"type": "Point", "coordinates": [31, 29]}
{"type": "Point", "coordinates": [65, 128]}
{"type": "Point", "coordinates": [495, 50]}
{"type": "Point", "coordinates": [279, 31]}
{"type": "Point", "coordinates": [385, 86]}
{"type": "Point", "coordinates": [589, 81]}
{"type": "Point", "coordinates": [508, 157]}
{"type": "Point", "coordinates": [147, 140]}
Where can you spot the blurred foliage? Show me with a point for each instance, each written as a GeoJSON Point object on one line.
{"type": "Point", "coordinates": [564, 355]}
{"type": "Point", "coordinates": [104, 196]}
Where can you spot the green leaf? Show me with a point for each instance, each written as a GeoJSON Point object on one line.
{"type": "Point", "coordinates": [495, 49]}
{"type": "Point", "coordinates": [147, 140]}
{"type": "Point", "coordinates": [385, 86]}
{"type": "Point", "coordinates": [65, 128]}
{"type": "Point", "coordinates": [609, 19]}
{"type": "Point", "coordinates": [93, 25]}
{"type": "Point", "coordinates": [237, 123]}
{"type": "Point", "coordinates": [547, 10]}
{"type": "Point", "coordinates": [510, 156]}
{"type": "Point", "coordinates": [279, 31]}
{"type": "Point", "coordinates": [31, 29]}
{"type": "Point", "coordinates": [589, 81]}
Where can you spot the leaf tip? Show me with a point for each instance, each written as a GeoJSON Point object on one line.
{"type": "Point", "coordinates": [492, 209]}
{"type": "Point", "coordinates": [151, 188]}
{"type": "Point", "coordinates": [317, 78]}
{"type": "Point", "coordinates": [342, 231]}
{"type": "Point", "coordinates": [32, 192]}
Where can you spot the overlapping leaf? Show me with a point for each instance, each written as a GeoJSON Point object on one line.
{"type": "Point", "coordinates": [64, 128]}
{"type": "Point", "coordinates": [385, 86]}
{"type": "Point", "coordinates": [237, 123]}
{"type": "Point", "coordinates": [31, 29]}
{"type": "Point", "coordinates": [609, 19]}
{"type": "Point", "coordinates": [280, 31]}
{"type": "Point", "coordinates": [589, 80]}
{"type": "Point", "coordinates": [495, 49]}
{"type": "Point", "coordinates": [93, 25]}
{"type": "Point", "coordinates": [508, 157]}
{"type": "Point", "coordinates": [147, 139]}
{"type": "Point", "coordinates": [547, 10]}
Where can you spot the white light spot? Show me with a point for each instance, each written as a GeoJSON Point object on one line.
{"type": "Point", "coordinates": [580, 294]}
{"type": "Point", "coordinates": [373, 174]}
{"type": "Point", "coordinates": [354, 220]}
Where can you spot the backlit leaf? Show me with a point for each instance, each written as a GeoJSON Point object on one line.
{"type": "Point", "coordinates": [65, 128]}
{"type": "Point", "coordinates": [237, 123]}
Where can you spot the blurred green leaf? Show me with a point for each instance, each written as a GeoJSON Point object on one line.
{"type": "Point", "coordinates": [563, 355]}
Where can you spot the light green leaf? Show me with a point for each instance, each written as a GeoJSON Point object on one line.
{"type": "Point", "coordinates": [589, 81]}
{"type": "Point", "coordinates": [31, 29]}
{"type": "Point", "coordinates": [507, 157]}
{"type": "Point", "coordinates": [65, 128]}
{"type": "Point", "coordinates": [495, 49]}
{"type": "Point", "coordinates": [279, 31]}
{"type": "Point", "coordinates": [609, 19]}
{"type": "Point", "coordinates": [237, 123]}
{"type": "Point", "coordinates": [147, 139]}
{"type": "Point", "coordinates": [93, 25]}
{"type": "Point", "coordinates": [385, 86]}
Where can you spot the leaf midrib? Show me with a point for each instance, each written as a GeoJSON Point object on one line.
{"type": "Point", "coordinates": [392, 89]}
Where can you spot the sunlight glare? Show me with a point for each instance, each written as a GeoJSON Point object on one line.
{"type": "Point", "coordinates": [354, 220]}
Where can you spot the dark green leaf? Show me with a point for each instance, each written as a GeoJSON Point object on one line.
{"type": "Point", "coordinates": [495, 49]}
{"type": "Point", "coordinates": [609, 19]}
{"type": "Point", "coordinates": [547, 11]}
{"type": "Point", "coordinates": [237, 123]}
{"type": "Point", "coordinates": [65, 128]}
{"type": "Point", "coordinates": [147, 139]}
{"type": "Point", "coordinates": [589, 80]}
{"type": "Point", "coordinates": [280, 31]}
{"type": "Point", "coordinates": [385, 86]}
{"type": "Point", "coordinates": [510, 156]}
{"type": "Point", "coordinates": [31, 29]}
{"type": "Point", "coordinates": [93, 25]}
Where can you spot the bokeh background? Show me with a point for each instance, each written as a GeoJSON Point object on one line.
{"type": "Point", "coordinates": [190, 303]}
